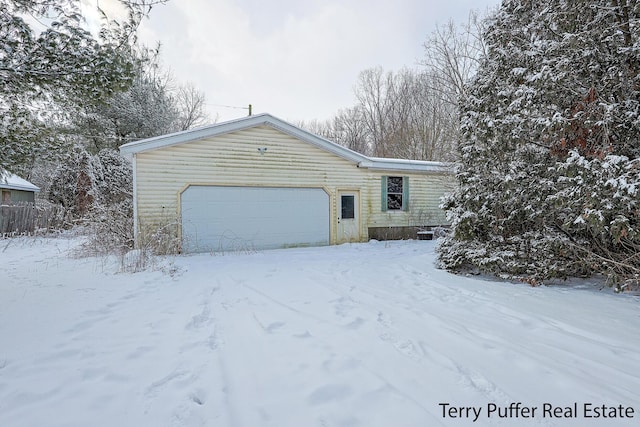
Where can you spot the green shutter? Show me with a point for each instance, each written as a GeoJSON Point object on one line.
{"type": "Point", "coordinates": [383, 194]}
{"type": "Point", "coordinates": [405, 193]}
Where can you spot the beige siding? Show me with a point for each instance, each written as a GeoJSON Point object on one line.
{"type": "Point", "coordinates": [425, 191]}
{"type": "Point", "coordinates": [233, 159]}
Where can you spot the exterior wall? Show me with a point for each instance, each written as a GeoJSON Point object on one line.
{"type": "Point", "coordinates": [19, 196]}
{"type": "Point", "coordinates": [425, 191]}
{"type": "Point", "coordinates": [234, 160]}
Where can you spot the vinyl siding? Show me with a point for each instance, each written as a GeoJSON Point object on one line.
{"type": "Point", "coordinates": [233, 159]}
{"type": "Point", "coordinates": [424, 200]}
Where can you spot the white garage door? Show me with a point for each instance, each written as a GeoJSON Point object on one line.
{"type": "Point", "coordinates": [247, 218]}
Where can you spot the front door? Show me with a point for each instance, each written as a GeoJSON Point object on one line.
{"type": "Point", "coordinates": [348, 216]}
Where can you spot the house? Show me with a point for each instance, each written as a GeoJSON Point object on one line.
{"type": "Point", "coordinates": [259, 182]}
{"type": "Point", "coordinates": [15, 189]}
{"type": "Point", "coordinates": [17, 204]}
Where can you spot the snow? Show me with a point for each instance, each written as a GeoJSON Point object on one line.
{"type": "Point", "coordinates": [14, 182]}
{"type": "Point", "coordinates": [352, 335]}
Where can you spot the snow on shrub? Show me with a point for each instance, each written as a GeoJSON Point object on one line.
{"type": "Point", "coordinates": [549, 159]}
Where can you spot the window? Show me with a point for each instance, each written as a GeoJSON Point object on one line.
{"type": "Point", "coordinates": [348, 207]}
{"type": "Point", "coordinates": [395, 193]}
{"type": "Point", "coordinates": [6, 197]}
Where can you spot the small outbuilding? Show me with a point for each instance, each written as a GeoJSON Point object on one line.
{"type": "Point", "coordinates": [17, 203]}
{"type": "Point", "coordinates": [15, 189]}
{"type": "Point", "coordinates": [259, 183]}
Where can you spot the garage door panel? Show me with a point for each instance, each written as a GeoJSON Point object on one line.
{"type": "Point", "coordinates": [216, 218]}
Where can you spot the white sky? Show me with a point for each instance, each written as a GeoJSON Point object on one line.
{"type": "Point", "coordinates": [295, 59]}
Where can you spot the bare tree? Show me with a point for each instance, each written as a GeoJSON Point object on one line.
{"type": "Point", "coordinates": [430, 123]}
{"type": "Point", "coordinates": [318, 127]}
{"type": "Point", "coordinates": [371, 93]}
{"type": "Point", "coordinates": [452, 54]}
{"type": "Point", "coordinates": [349, 129]}
{"type": "Point", "coordinates": [190, 103]}
{"type": "Point", "coordinates": [403, 115]}
{"type": "Point", "coordinates": [346, 128]}
{"type": "Point", "coordinates": [412, 114]}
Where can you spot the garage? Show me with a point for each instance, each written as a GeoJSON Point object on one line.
{"type": "Point", "coordinates": [226, 218]}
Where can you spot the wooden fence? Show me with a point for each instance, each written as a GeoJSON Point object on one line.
{"type": "Point", "coordinates": [26, 218]}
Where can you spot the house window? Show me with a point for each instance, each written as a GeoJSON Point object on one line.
{"type": "Point", "coordinates": [348, 207]}
{"type": "Point", "coordinates": [395, 193]}
{"type": "Point", "coordinates": [6, 197]}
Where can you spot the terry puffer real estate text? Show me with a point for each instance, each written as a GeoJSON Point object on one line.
{"type": "Point", "coordinates": [547, 410]}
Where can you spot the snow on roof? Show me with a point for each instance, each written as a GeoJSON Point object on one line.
{"type": "Point", "coordinates": [12, 181]}
{"type": "Point", "coordinates": [267, 119]}
{"type": "Point", "coordinates": [405, 165]}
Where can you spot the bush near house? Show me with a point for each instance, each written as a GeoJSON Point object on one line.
{"type": "Point", "coordinates": [549, 161]}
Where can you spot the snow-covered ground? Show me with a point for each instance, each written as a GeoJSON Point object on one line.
{"type": "Point", "coordinates": [352, 335]}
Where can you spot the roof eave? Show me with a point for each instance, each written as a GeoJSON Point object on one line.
{"type": "Point", "coordinates": [238, 125]}
{"type": "Point", "coordinates": [182, 137]}
{"type": "Point", "coordinates": [319, 142]}
{"type": "Point", "coordinates": [408, 166]}
{"type": "Point", "coordinates": [218, 129]}
{"type": "Point", "coordinates": [19, 188]}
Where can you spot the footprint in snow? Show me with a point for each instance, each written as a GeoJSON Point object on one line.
{"type": "Point", "coordinates": [179, 376]}
{"type": "Point", "coordinates": [272, 327]}
{"type": "Point", "coordinates": [198, 397]}
{"type": "Point", "coordinates": [199, 319]}
{"type": "Point", "coordinates": [482, 384]}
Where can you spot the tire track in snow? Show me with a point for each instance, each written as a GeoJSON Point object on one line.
{"type": "Point", "coordinates": [344, 306]}
{"type": "Point", "coordinates": [195, 391]}
{"type": "Point", "coordinates": [495, 315]}
{"type": "Point", "coordinates": [432, 413]}
{"type": "Point", "coordinates": [216, 343]}
{"type": "Point", "coordinates": [274, 319]}
{"type": "Point", "coordinates": [283, 305]}
{"type": "Point", "coordinates": [415, 349]}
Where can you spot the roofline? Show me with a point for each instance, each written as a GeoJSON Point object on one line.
{"type": "Point", "coordinates": [379, 163]}
{"type": "Point", "coordinates": [33, 188]}
{"type": "Point", "coordinates": [235, 125]}
{"type": "Point", "coordinates": [4, 174]}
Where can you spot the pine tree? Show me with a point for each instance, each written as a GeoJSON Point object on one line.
{"type": "Point", "coordinates": [145, 109]}
{"type": "Point", "coordinates": [549, 157]}
{"type": "Point", "coordinates": [57, 62]}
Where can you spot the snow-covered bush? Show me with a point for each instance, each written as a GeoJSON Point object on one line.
{"type": "Point", "coordinates": [110, 228]}
{"type": "Point", "coordinates": [97, 190]}
{"type": "Point", "coordinates": [598, 206]}
{"type": "Point", "coordinates": [549, 169]}
{"type": "Point", "coordinates": [111, 218]}
{"type": "Point", "coordinates": [160, 238]}
{"type": "Point", "coordinates": [116, 185]}
{"type": "Point", "coordinates": [76, 182]}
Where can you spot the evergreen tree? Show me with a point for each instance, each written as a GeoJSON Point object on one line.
{"type": "Point", "coordinates": [49, 59]}
{"type": "Point", "coordinates": [145, 109]}
{"type": "Point", "coordinates": [549, 156]}
{"type": "Point", "coordinates": [83, 181]}
{"type": "Point", "coordinates": [77, 181]}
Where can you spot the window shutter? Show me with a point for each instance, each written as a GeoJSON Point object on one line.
{"type": "Point", "coordinates": [405, 193]}
{"type": "Point", "coordinates": [383, 194]}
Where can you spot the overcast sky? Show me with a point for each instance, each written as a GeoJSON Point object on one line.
{"type": "Point", "coordinates": [295, 59]}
